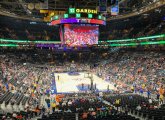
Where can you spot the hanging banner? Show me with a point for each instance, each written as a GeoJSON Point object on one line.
{"type": "Point", "coordinates": [115, 8]}
{"type": "Point", "coordinates": [103, 5]}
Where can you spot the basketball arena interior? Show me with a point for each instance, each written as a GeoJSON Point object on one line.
{"type": "Point", "coordinates": [82, 59]}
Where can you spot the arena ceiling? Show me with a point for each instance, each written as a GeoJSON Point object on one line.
{"type": "Point", "coordinates": [30, 9]}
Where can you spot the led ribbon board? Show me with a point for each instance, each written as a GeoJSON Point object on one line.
{"type": "Point", "coordinates": [111, 42]}
{"type": "Point", "coordinates": [80, 21]}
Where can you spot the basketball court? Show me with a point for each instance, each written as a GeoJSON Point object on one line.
{"type": "Point", "coordinates": [73, 83]}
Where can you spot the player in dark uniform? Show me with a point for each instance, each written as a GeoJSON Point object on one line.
{"type": "Point", "coordinates": [82, 86]}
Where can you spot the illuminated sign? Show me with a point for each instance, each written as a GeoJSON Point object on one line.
{"type": "Point", "coordinates": [72, 11]}
{"type": "Point", "coordinates": [76, 20]}
{"type": "Point", "coordinates": [48, 45]}
{"type": "Point", "coordinates": [66, 15]}
{"type": "Point", "coordinates": [78, 15]}
{"type": "Point", "coordinates": [56, 17]}
{"type": "Point", "coordinates": [99, 17]}
{"type": "Point", "coordinates": [55, 22]}
{"type": "Point", "coordinates": [90, 15]}
{"type": "Point", "coordinates": [77, 10]}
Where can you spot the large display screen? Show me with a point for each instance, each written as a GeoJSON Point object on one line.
{"type": "Point", "coordinates": [80, 34]}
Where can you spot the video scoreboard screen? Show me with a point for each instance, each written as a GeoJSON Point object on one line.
{"type": "Point", "coordinates": [79, 34]}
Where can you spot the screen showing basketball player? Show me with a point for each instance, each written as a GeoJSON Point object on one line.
{"type": "Point", "coordinates": [80, 34]}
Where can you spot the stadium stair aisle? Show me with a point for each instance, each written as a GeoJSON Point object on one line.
{"type": "Point", "coordinates": [122, 110]}
{"type": "Point", "coordinates": [42, 102]}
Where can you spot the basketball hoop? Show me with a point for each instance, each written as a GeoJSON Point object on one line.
{"type": "Point", "coordinates": [87, 75]}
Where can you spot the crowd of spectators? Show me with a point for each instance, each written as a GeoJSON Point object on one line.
{"type": "Point", "coordinates": [137, 29]}
{"type": "Point", "coordinates": [21, 85]}
{"type": "Point", "coordinates": [25, 79]}
{"type": "Point", "coordinates": [26, 76]}
{"type": "Point", "coordinates": [138, 105]}
{"type": "Point", "coordinates": [85, 107]}
{"type": "Point", "coordinates": [148, 24]}
{"type": "Point", "coordinates": [7, 32]}
{"type": "Point", "coordinates": [141, 70]}
{"type": "Point", "coordinates": [134, 32]}
{"type": "Point", "coordinates": [23, 30]}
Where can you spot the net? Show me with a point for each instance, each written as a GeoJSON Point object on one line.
{"type": "Point", "coordinates": [87, 75]}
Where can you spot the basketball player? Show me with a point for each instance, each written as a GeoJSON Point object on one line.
{"type": "Point", "coordinates": [108, 88]}
{"type": "Point", "coordinates": [82, 86]}
{"type": "Point", "coordinates": [58, 77]}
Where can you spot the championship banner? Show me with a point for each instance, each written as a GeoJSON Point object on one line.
{"type": "Point", "coordinates": [115, 8]}
{"type": "Point", "coordinates": [103, 5]}
{"type": "Point", "coordinates": [44, 5]}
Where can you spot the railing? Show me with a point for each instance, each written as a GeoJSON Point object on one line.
{"type": "Point", "coordinates": [148, 40]}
